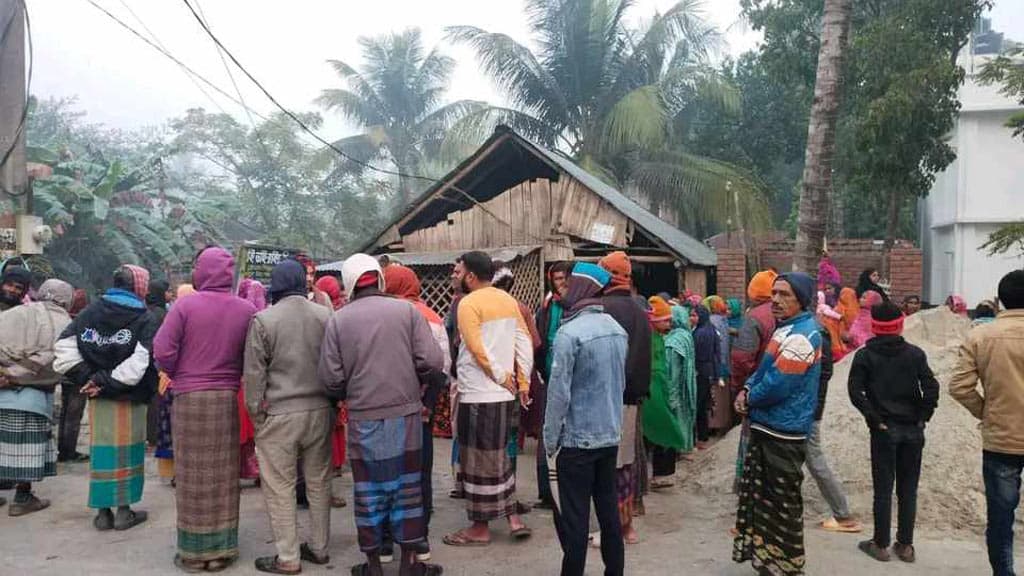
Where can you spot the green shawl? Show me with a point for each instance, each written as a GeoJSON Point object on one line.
{"type": "Point", "coordinates": [682, 372]}
{"type": "Point", "coordinates": [660, 413]}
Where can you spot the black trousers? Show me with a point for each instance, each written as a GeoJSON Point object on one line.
{"type": "Point", "coordinates": [72, 406]}
{"type": "Point", "coordinates": [703, 408]}
{"type": "Point", "coordinates": [584, 475]}
{"type": "Point", "coordinates": [663, 460]}
{"type": "Point", "coordinates": [896, 457]}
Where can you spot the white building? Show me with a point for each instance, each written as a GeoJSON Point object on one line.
{"type": "Point", "coordinates": [976, 194]}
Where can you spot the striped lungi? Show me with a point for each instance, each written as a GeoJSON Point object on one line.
{"type": "Point", "coordinates": [206, 462]}
{"type": "Point", "coordinates": [28, 451]}
{"type": "Point", "coordinates": [117, 463]}
{"type": "Point", "coordinates": [387, 470]}
{"type": "Point", "coordinates": [486, 469]}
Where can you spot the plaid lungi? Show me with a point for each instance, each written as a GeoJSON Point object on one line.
{"type": "Point", "coordinates": [770, 517]}
{"type": "Point", "coordinates": [206, 464]}
{"type": "Point", "coordinates": [387, 470]}
{"type": "Point", "coordinates": [117, 466]}
{"type": "Point", "coordinates": [28, 451]}
{"type": "Point", "coordinates": [486, 468]}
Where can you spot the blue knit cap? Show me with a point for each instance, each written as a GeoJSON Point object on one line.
{"type": "Point", "coordinates": [803, 286]}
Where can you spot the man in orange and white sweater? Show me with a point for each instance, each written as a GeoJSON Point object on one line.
{"type": "Point", "coordinates": [494, 363]}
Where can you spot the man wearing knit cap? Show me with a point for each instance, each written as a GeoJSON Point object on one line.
{"type": "Point", "coordinates": [779, 400]}
{"type": "Point", "coordinates": [583, 422]}
{"type": "Point", "coordinates": [894, 388]}
{"type": "Point", "coordinates": [619, 303]}
{"type": "Point", "coordinates": [376, 353]}
{"type": "Point", "coordinates": [749, 346]}
{"type": "Point", "coordinates": [13, 286]}
{"type": "Point", "coordinates": [992, 356]}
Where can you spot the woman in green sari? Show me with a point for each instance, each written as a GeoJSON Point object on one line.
{"type": "Point", "coordinates": [682, 373]}
{"type": "Point", "coordinates": [661, 413]}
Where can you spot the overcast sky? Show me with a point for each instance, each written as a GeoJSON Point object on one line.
{"type": "Point", "coordinates": [122, 82]}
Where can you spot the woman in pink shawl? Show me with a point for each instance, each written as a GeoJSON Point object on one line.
{"type": "Point", "coordinates": [861, 332]}
{"type": "Point", "coordinates": [957, 305]}
{"type": "Point", "coordinates": [256, 294]}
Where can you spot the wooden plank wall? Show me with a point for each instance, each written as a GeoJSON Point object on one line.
{"type": "Point", "coordinates": [530, 213]}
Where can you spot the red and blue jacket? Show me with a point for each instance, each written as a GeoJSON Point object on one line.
{"type": "Point", "coordinates": [783, 393]}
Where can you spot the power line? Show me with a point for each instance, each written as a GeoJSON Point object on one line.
{"type": "Point", "coordinates": [162, 45]}
{"type": "Point", "coordinates": [28, 88]}
{"type": "Point", "coordinates": [231, 76]}
{"type": "Point", "coordinates": [292, 115]}
{"type": "Point", "coordinates": [171, 57]}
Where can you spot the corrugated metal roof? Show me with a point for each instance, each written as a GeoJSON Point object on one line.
{"type": "Point", "coordinates": [674, 239]}
{"type": "Point", "coordinates": [441, 258]}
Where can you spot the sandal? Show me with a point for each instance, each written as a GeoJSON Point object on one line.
{"type": "Point", "coordinates": [134, 518]}
{"type": "Point", "coordinates": [847, 526]}
{"type": "Point", "coordinates": [522, 533]}
{"type": "Point", "coordinates": [431, 569]}
{"type": "Point", "coordinates": [307, 554]}
{"type": "Point", "coordinates": [461, 539]}
{"type": "Point", "coordinates": [189, 566]}
{"type": "Point", "coordinates": [361, 569]}
{"type": "Point", "coordinates": [271, 565]}
{"type": "Point", "coordinates": [104, 520]}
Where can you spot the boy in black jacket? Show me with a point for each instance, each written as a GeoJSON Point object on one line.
{"type": "Point", "coordinates": [894, 388]}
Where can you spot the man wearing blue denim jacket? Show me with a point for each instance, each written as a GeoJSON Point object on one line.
{"type": "Point", "coordinates": [583, 421]}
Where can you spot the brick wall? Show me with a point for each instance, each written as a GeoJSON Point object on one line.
{"type": "Point", "coordinates": [851, 256]}
{"type": "Point", "coordinates": [732, 273]}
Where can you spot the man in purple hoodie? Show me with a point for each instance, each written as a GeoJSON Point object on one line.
{"type": "Point", "coordinates": [201, 346]}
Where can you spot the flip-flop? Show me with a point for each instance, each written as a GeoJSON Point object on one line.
{"type": "Point", "coordinates": [306, 553]}
{"type": "Point", "coordinates": [360, 569]}
{"type": "Point", "coordinates": [522, 533]}
{"type": "Point", "coordinates": [833, 525]}
{"type": "Point", "coordinates": [459, 539]}
{"type": "Point", "coordinates": [219, 565]}
{"type": "Point", "coordinates": [103, 522]}
{"type": "Point", "coordinates": [431, 569]}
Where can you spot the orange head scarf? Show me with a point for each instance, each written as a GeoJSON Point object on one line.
{"type": "Point", "coordinates": [760, 287]}
{"type": "Point", "coordinates": [848, 306]}
{"type": "Point", "coordinates": [401, 282]}
{"type": "Point", "coordinates": [618, 265]}
{"type": "Point", "coordinates": [660, 309]}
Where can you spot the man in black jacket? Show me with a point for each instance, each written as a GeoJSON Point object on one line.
{"type": "Point", "coordinates": [631, 466]}
{"type": "Point", "coordinates": [894, 388]}
{"type": "Point", "coordinates": [107, 351]}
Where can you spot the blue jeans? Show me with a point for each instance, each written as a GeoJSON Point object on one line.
{"type": "Point", "coordinates": [1002, 493]}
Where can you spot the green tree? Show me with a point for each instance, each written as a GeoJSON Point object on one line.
{"type": "Point", "coordinates": [901, 101]}
{"type": "Point", "coordinates": [618, 99]}
{"type": "Point", "coordinates": [292, 192]}
{"type": "Point", "coordinates": [397, 98]}
{"type": "Point", "coordinates": [108, 198]}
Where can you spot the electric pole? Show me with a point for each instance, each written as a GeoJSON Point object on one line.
{"type": "Point", "coordinates": [13, 174]}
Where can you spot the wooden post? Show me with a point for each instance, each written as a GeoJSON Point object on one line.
{"type": "Point", "coordinates": [13, 174]}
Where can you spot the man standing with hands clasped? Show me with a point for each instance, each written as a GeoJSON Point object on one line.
{"type": "Point", "coordinates": [494, 365]}
{"type": "Point", "coordinates": [779, 399]}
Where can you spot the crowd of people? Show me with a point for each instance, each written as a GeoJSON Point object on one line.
{"type": "Point", "coordinates": [618, 389]}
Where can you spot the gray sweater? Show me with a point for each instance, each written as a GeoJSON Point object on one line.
{"type": "Point", "coordinates": [281, 355]}
{"type": "Point", "coordinates": [376, 351]}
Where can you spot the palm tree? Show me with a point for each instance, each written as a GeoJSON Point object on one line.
{"type": "Point", "coordinates": [812, 217]}
{"type": "Point", "coordinates": [396, 98]}
{"type": "Point", "coordinates": [615, 98]}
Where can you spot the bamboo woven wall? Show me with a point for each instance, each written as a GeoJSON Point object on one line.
{"type": "Point", "coordinates": [437, 291]}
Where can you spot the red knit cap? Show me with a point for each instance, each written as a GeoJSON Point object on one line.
{"type": "Point", "coordinates": [366, 279]}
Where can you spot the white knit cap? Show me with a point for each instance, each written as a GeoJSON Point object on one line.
{"type": "Point", "coordinates": [355, 266]}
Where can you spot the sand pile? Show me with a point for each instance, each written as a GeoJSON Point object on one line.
{"type": "Point", "coordinates": [951, 494]}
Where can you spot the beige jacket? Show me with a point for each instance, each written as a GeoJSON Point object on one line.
{"type": "Point", "coordinates": [994, 354]}
{"type": "Point", "coordinates": [281, 356]}
{"type": "Point", "coordinates": [27, 335]}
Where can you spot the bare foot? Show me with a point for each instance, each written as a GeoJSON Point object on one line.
{"type": "Point", "coordinates": [630, 536]}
